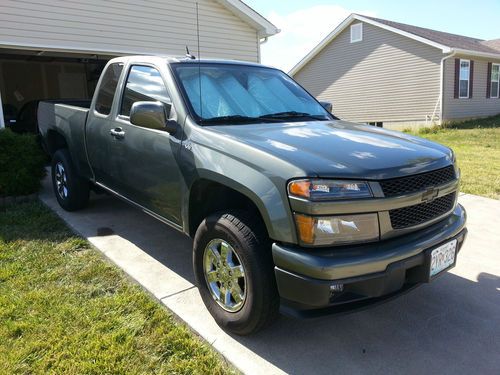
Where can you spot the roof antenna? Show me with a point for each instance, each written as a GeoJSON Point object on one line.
{"type": "Point", "coordinates": [188, 55]}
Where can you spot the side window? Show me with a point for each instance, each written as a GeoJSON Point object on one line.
{"type": "Point", "coordinates": [107, 88]}
{"type": "Point", "coordinates": [464, 79]}
{"type": "Point", "coordinates": [356, 32]}
{"type": "Point", "coordinates": [144, 83]}
{"type": "Point", "coordinates": [495, 80]}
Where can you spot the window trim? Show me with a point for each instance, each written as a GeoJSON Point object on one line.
{"type": "Point", "coordinates": [496, 96]}
{"type": "Point", "coordinates": [468, 79]}
{"type": "Point", "coordinates": [360, 26]}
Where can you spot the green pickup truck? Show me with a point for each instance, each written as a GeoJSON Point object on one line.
{"type": "Point", "coordinates": [290, 208]}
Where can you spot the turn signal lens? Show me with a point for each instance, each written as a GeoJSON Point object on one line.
{"type": "Point", "coordinates": [305, 227]}
{"type": "Point", "coordinates": [300, 188]}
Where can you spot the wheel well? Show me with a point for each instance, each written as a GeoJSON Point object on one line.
{"type": "Point", "coordinates": [207, 197]}
{"type": "Point", "coordinates": [55, 141]}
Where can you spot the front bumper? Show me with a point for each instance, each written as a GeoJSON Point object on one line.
{"type": "Point", "coordinates": [308, 279]}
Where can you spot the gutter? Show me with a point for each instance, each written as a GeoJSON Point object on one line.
{"type": "Point", "coordinates": [476, 53]}
{"type": "Point", "coordinates": [441, 85]}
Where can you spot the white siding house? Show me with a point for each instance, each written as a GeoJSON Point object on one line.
{"type": "Point", "coordinates": [396, 75]}
{"type": "Point", "coordinates": [57, 48]}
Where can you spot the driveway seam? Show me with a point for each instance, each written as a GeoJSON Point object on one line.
{"type": "Point", "coordinates": [176, 293]}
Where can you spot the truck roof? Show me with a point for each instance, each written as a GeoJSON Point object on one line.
{"type": "Point", "coordinates": [178, 59]}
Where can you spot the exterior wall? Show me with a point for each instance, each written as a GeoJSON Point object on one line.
{"type": "Point", "coordinates": [385, 77]}
{"type": "Point", "coordinates": [127, 27]}
{"type": "Point", "coordinates": [477, 106]}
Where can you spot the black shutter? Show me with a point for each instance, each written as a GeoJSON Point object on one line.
{"type": "Point", "coordinates": [457, 77]}
{"type": "Point", "coordinates": [488, 81]}
{"type": "Point", "coordinates": [471, 78]}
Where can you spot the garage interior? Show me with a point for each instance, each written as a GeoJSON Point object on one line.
{"type": "Point", "coordinates": [27, 76]}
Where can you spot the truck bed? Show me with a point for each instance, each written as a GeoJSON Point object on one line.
{"type": "Point", "coordinates": [67, 118]}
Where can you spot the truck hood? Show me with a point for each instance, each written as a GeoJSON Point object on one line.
{"type": "Point", "coordinates": [340, 149]}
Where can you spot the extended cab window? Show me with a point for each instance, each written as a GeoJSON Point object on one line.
{"type": "Point", "coordinates": [144, 83]}
{"type": "Point", "coordinates": [107, 89]}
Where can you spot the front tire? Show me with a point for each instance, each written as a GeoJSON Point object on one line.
{"type": "Point", "coordinates": [71, 190]}
{"type": "Point", "coordinates": [234, 272]}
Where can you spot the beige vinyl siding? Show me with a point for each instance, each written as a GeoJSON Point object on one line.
{"type": "Point", "coordinates": [127, 26]}
{"type": "Point", "coordinates": [477, 106]}
{"type": "Point", "coordinates": [385, 77]}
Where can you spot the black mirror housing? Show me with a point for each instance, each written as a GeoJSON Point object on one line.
{"type": "Point", "coordinates": [327, 105]}
{"type": "Point", "coordinates": [152, 115]}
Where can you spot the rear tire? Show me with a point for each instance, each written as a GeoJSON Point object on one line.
{"type": "Point", "coordinates": [71, 190]}
{"type": "Point", "coordinates": [253, 300]}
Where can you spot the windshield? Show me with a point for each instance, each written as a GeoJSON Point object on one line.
{"type": "Point", "coordinates": [225, 93]}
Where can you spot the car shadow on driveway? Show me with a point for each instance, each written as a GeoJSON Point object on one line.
{"type": "Point", "coordinates": [449, 326]}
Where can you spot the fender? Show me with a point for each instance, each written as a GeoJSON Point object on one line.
{"type": "Point", "coordinates": [270, 199]}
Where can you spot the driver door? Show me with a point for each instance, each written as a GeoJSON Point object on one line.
{"type": "Point", "coordinates": [144, 168]}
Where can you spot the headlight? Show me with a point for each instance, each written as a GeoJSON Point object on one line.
{"type": "Point", "coordinates": [332, 230]}
{"type": "Point", "coordinates": [321, 190]}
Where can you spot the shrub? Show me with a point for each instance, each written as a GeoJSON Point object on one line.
{"type": "Point", "coordinates": [21, 164]}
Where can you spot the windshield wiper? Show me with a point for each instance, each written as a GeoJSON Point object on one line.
{"type": "Point", "coordinates": [293, 114]}
{"type": "Point", "coordinates": [233, 119]}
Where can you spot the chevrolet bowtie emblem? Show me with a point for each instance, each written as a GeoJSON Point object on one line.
{"type": "Point", "coordinates": [430, 195]}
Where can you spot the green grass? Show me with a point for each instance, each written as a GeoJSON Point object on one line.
{"type": "Point", "coordinates": [477, 146]}
{"type": "Point", "coordinates": [64, 309]}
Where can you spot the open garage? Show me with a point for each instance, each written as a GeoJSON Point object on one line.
{"type": "Point", "coordinates": [28, 76]}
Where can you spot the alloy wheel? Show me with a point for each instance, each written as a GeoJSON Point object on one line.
{"type": "Point", "coordinates": [225, 275]}
{"type": "Point", "coordinates": [61, 180]}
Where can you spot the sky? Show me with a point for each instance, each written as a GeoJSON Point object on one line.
{"type": "Point", "coordinates": [304, 23]}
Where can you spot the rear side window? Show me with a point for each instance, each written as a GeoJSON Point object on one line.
{"type": "Point", "coordinates": [107, 89]}
{"type": "Point", "coordinates": [144, 83]}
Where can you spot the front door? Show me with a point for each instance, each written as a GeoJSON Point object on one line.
{"type": "Point", "coordinates": [143, 165]}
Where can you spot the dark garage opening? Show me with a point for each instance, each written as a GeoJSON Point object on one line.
{"type": "Point", "coordinates": [27, 77]}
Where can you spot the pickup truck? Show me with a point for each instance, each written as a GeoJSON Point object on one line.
{"type": "Point", "coordinates": [290, 208]}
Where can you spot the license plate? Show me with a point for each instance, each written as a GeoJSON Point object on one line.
{"type": "Point", "coordinates": [443, 257]}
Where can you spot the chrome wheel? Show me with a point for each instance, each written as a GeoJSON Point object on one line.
{"type": "Point", "coordinates": [225, 275]}
{"type": "Point", "coordinates": [61, 180]}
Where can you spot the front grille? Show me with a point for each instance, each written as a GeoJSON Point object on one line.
{"type": "Point", "coordinates": [420, 213]}
{"type": "Point", "coordinates": [418, 182]}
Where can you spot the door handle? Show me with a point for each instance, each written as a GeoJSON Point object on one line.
{"type": "Point", "coordinates": [118, 133]}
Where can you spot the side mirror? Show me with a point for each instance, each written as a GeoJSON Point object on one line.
{"type": "Point", "coordinates": [327, 105]}
{"type": "Point", "coordinates": [152, 115]}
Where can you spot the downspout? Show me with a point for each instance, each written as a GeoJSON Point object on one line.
{"type": "Point", "coordinates": [2, 121]}
{"type": "Point", "coordinates": [441, 86]}
{"type": "Point", "coordinates": [260, 41]}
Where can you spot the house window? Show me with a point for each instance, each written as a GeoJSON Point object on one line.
{"type": "Point", "coordinates": [378, 124]}
{"type": "Point", "coordinates": [356, 32]}
{"type": "Point", "coordinates": [495, 80]}
{"type": "Point", "coordinates": [463, 90]}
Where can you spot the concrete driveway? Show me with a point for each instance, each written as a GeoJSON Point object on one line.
{"type": "Point", "coordinates": [449, 327]}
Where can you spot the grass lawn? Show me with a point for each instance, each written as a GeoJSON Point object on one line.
{"type": "Point", "coordinates": [64, 309]}
{"type": "Point", "coordinates": [477, 146]}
